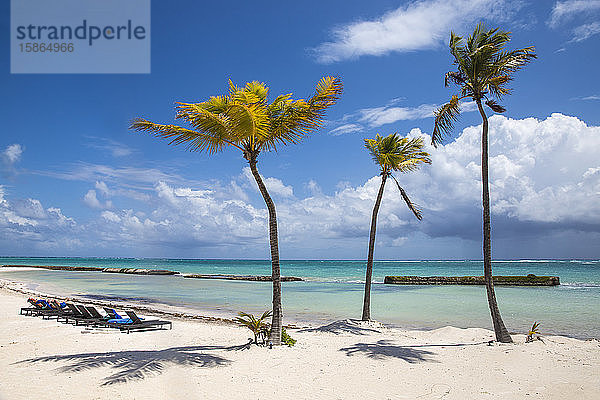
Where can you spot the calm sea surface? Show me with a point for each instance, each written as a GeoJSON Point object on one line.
{"type": "Point", "coordinates": [333, 290]}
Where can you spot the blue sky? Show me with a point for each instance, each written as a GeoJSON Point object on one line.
{"type": "Point", "coordinates": [75, 181]}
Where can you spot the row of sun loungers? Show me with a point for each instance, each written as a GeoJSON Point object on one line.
{"type": "Point", "coordinates": [78, 314]}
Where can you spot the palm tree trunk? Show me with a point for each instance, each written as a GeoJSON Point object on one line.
{"type": "Point", "coordinates": [502, 334]}
{"type": "Point", "coordinates": [366, 313]}
{"type": "Point", "coordinates": [276, 322]}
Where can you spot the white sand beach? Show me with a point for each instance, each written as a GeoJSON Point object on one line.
{"type": "Point", "coordinates": [42, 359]}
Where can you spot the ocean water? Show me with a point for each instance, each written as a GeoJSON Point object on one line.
{"type": "Point", "coordinates": [333, 290]}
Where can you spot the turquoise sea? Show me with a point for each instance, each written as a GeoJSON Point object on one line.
{"type": "Point", "coordinates": [333, 290]}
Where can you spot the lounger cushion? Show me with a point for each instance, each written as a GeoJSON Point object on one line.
{"type": "Point", "coordinates": [121, 320]}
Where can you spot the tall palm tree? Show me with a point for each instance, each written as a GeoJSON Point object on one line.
{"type": "Point", "coordinates": [390, 153]}
{"type": "Point", "coordinates": [245, 120]}
{"type": "Point", "coordinates": [483, 70]}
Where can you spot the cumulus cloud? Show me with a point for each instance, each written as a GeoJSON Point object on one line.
{"type": "Point", "coordinates": [12, 153]}
{"type": "Point", "coordinates": [274, 186]}
{"type": "Point", "coordinates": [545, 182]}
{"type": "Point", "coordinates": [415, 26]}
{"type": "Point", "coordinates": [91, 200]}
{"type": "Point", "coordinates": [9, 157]}
{"type": "Point", "coordinates": [26, 224]}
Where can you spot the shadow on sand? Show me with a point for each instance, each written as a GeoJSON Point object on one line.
{"type": "Point", "coordinates": [343, 326]}
{"type": "Point", "coordinates": [385, 349]}
{"type": "Point", "coordinates": [139, 364]}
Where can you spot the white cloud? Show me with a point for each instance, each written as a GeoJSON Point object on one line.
{"type": "Point", "coordinates": [274, 186]}
{"type": "Point", "coordinates": [114, 148]}
{"type": "Point", "coordinates": [563, 10]}
{"type": "Point", "coordinates": [26, 224]}
{"type": "Point", "coordinates": [390, 113]}
{"type": "Point", "coordinates": [545, 177]}
{"type": "Point", "coordinates": [102, 188]}
{"type": "Point", "coordinates": [346, 128]}
{"type": "Point", "coordinates": [416, 26]}
{"type": "Point", "coordinates": [8, 158]}
{"type": "Point", "coordinates": [91, 200]}
{"type": "Point", "coordinates": [110, 216]}
{"type": "Point", "coordinates": [12, 153]}
{"type": "Point", "coordinates": [379, 116]}
{"type": "Point", "coordinates": [585, 31]}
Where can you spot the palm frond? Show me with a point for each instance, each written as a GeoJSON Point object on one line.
{"type": "Point", "coordinates": [195, 141]}
{"type": "Point", "coordinates": [445, 117]}
{"type": "Point", "coordinates": [244, 119]}
{"type": "Point", "coordinates": [455, 77]}
{"type": "Point", "coordinates": [395, 153]}
{"type": "Point", "coordinates": [495, 106]}
{"type": "Point", "coordinates": [411, 206]}
{"type": "Point", "coordinates": [291, 120]}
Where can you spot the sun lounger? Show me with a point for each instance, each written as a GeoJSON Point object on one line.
{"type": "Point", "coordinates": [56, 309]}
{"type": "Point", "coordinates": [86, 318]}
{"type": "Point", "coordinates": [37, 307]}
{"type": "Point", "coordinates": [134, 323]}
{"type": "Point", "coordinates": [111, 313]}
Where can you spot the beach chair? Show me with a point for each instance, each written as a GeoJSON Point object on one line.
{"type": "Point", "coordinates": [37, 307]}
{"type": "Point", "coordinates": [57, 310]}
{"type": "Point", "coordinates": [134, 323]}
{"type": "Point", "coordinates": [111, 313]}
{"type": "Point", "coordinates": [87, 318]}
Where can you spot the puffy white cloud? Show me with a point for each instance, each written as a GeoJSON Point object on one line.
{"type": "Point", "coordinates": [91, 200]}
{"type": "Point", "coordinates": [8, 158]}
{"type": "Point", "coordinates": [102, 188]}
{"type": "Point", "coordinates": [274, 186]}
{"type": "Point", "coordinates": [25, 224]}
{"type": "Point", "coordinates": [545, 180]}
{"type": "Point", "coordinates": [12, 153]}
{"type": "Point", "coordinates": [416, 26]}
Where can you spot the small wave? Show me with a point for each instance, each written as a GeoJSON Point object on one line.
{"type": "Point", "coordinates": [580, 285]}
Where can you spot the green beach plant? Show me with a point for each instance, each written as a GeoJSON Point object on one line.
{"type": "Point", "coordinates": [287, 339]}
{"type": "Point", "coordinates": [390, 153]}
{"type": "Point", "coordinates": [534, 333]}
{"type": "Point", "coordinates": [258, 325]}
{"type": "Point", "coordinates": [483, 70]}
{"type": "Point", "coordinates": [244, 119]}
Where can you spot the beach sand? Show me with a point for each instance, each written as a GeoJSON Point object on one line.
{"type": "Point", "coordinates": [42, 359]}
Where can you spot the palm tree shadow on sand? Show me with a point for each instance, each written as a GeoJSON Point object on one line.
{"type": "Point", "coordinates": [343, 326]}
{"type": "Point", "coordinates": [385, 349]}
{"type": "Point", "coordinates": [138, 364]}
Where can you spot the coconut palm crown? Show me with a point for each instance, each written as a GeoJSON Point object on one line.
{"type": "Point", "coordinates": [244, 119]}
{"type": "Point", "coordinates": [484, 69]}
{"type": "Point", "coordinates": [390, 153]}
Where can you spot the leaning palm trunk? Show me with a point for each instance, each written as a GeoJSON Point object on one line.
{"type": "Point", "coordinates": [276, 322]}
{"type": "Point", "coordinates": [502, 334]}
{"type": "Point", "coordinates": [366, 314]}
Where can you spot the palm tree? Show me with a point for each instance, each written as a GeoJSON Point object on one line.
{"type": "Point", "coordinates": [484, 69]}
{"type": "Point", "coordinates": [245, 120]}
{"type": "Point", "coordinates": [391, 153]}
